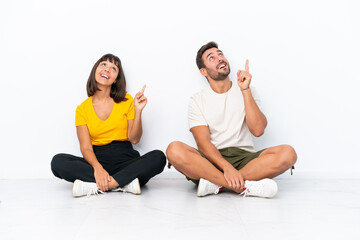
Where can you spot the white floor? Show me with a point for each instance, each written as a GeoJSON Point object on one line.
{"type": "Point", "coordinates": [304, 208]}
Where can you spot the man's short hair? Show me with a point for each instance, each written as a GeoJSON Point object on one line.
{"type": "Point", "coordinates": [199, 60]}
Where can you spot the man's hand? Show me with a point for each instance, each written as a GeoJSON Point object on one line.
{"type": "Point", "coordinates": [234, 178]}
{"type": "Point", "coordinates": [244, 77]}
{"type": "Point", "coordinates": [102, 179]}
{"type": "Point", "coordinates": [140, 100]}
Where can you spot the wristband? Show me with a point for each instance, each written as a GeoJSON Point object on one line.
{"type": "Point", "coordinates": [245, 89]}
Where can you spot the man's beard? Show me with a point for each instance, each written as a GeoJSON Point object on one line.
{"type": "Point", "coordinates": [218, 76]}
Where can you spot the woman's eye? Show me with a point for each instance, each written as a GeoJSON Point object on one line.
{"type": "Point", "coordinates": [114, 69]}
{"type": "Point", "coordinates": [103, 64]}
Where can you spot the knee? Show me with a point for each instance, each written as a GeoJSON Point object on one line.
{"type": "Point", "coordinates": [56, 162]}
{"type": "Point", "coordinates": [287, 156]}
{"type": "Point", "coordinates": [159, 158]}
{"type": "Point", "coordinates": [174, 152]}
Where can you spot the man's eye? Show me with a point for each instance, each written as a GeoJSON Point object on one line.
{"type": "Point", "coordinates": [211, 58]}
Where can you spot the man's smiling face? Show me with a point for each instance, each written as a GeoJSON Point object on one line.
{"type": "Point", "coordinates": [216, 65]}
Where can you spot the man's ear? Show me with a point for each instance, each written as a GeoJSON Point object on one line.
{"type": "Point", "coordinates": [203, 72]}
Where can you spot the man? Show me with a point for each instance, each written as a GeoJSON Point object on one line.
{"type": "Point", "coordinates": [222, 118]}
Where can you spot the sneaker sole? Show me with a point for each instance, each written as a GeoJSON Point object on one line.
{"type": "Point", "coordinates": [137, 190]}
{"type": "Point", "coordinates": [74, 187]}
{"type": "Point", "coordinates": [201, 182]}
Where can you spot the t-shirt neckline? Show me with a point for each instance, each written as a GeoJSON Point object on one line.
{"type": "Point", "coordinates": [92, 106]}
{"type": "Point", "coordinates": [221, 94]}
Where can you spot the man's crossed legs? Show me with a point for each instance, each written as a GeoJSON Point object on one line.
{"type": "Point", "coordinates": [270, 163]}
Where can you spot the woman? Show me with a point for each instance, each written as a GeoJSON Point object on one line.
{"type": "Point", "coordinates": [108, 122]}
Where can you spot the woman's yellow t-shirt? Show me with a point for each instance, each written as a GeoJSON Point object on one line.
{"type": "Point", "coordinates": [114, 128]}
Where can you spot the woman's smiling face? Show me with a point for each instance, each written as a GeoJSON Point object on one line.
{"type": "Point", "coordinates": [106, 73]}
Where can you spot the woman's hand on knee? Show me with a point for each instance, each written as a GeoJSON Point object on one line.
{"type": "Point", "coordinates": [102, 179]}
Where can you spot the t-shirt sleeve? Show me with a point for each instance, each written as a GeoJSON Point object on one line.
{"type": "Point", "coordinates": [195, 115]}
{"type": "Point", "coordinates": [80, 117]}
{"type": "Point", "coordinates": [131, 112]}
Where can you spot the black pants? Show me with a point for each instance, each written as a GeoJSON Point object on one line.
{"type": "Point", "coordinates": [119, 159]}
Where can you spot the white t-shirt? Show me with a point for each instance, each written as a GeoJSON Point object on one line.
{"type": "Point", "coordinates": [224, 114]}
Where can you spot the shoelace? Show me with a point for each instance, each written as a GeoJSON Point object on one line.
{"type": "Point", "coordinates": [119, 189]}
{"type": "Point", "coordinates": [93, 192]}
{"type": "Point", "coordinates": [245, 192]}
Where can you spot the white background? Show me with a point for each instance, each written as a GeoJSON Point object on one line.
{"type": "Point", "coordinates": [304, 58]}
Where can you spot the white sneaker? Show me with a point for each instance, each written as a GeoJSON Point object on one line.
{"type": "Point", "coordinates": [206, 188]}
{"type": "Point", "coordinates": [266, 188]}
{"type": "Point", "coordinates": [81, 188]}
{"type": "Point", "coordinates": [133, 187]}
